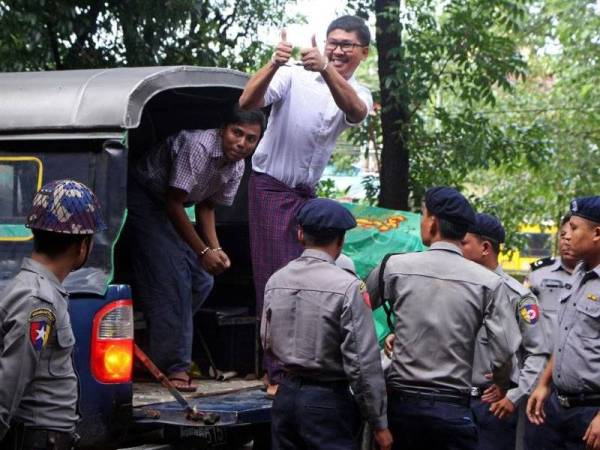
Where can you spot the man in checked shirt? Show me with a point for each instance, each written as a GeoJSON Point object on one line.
{"type": "Point", "coordinates": [174, 262]}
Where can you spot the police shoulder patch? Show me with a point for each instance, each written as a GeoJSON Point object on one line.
{"type": "Point", "coordinates": [542, 263]}
{"type": "Point", "coordinates": [41, 321]}
{"type": "Point", "coordinates": [529, 310]}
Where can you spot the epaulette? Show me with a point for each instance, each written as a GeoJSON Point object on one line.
{"type": "Point", "coordinates": [542, 263]}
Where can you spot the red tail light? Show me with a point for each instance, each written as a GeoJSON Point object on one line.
{"type": "Point", "coordinates": [112, 343]}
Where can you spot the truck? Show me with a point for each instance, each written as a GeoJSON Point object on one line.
{"type": "Point", "coordinates": [89, 125]}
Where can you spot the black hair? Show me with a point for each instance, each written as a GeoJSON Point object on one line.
{"type": "Point", "coordinates": [242, 116]}
{"type": "Point", "coordinates": [565, 219]}
{"type": "Point", "coordinates": [55, 244]}
{"type": "Point", "coordinates": [352, 24]}
{"type": "Point", "coordinates": [451, 230]}
{"type": "Point", "coordinates": [321, 238]}
{"type": "Point", "coordinates": [493, 242]}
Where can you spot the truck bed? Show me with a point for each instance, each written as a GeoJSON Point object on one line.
{"type": "Point", "coordinates": [238, 402]}
{"type": "Point", "coordinates": [146, 393]}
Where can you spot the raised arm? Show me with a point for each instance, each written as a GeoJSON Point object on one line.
{"type": "Point", "coordinates": [254, 92]}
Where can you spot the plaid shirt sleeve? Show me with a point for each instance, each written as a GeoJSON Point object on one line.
{"type": "Point", "coordinates": [191, 156]}
{"type": "Point", "coordinates": [227, 194]}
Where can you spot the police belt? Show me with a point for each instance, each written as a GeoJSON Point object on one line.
{"type": "Point", "coordinates": [573, 400]}
{"type": "Point", "coordinates": [20, 437]}
{"type": "Point", "coordinates": [432, 396]}
{"type": "Point", "coordinates": [297, 380]}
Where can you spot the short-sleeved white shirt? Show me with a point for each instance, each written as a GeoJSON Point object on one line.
{"type": "Point", "coordinates": [304, 124]}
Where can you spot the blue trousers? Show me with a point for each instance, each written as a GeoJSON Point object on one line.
{"type": "Point", "coordinates": [563, 428]}
{"type": "Point", "coordinates": [310, 417]}
{"type": "Point", "coordinates": [427, 425]}
{"type": "Point", "coordinates": [169, 283]}
{"type": "Point", "coordinates": [494, 433]}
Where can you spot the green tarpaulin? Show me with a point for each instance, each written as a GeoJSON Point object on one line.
{"type": "Point", "coordinates": [379, 232]}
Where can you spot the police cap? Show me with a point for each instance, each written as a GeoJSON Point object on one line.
{"type": "Point", "coordinates": [587, 207]}
{"type": "Point", "coordinates": [488, 226]}
{"type": "Point", "coordinates": [449, 204]}
{"type": "Point", "coordinates": [322, 214]}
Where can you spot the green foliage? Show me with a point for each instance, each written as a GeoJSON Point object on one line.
{"type": "Point", "coordinates": [343, 162]}
{"type": "Point", "coordinates": [326, 189]}
{"type": "Point", "coordinates": [371, 185]}
{"type": "Point", "coordinates": [452, 61]}
{"type": "Point", "coordinates": [504, 102]}
{"type": "Point", "coordinates": [68, 34]}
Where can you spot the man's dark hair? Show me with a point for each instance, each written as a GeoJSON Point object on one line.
{"type": "Point", "coordinates": [321, 238]}
{"type": "Point", "coordinates": [241, 116]}
{"type": "Point", "coordinates": [55, 244]}
{"type": "Point", "coordinates": [565, 219]}
{"type": "Point", "coordinates": [493, 242]}
{"type": "Point", "coordinates": [352, 24]}
{"type": "Point", "coordinates": [451, 230]}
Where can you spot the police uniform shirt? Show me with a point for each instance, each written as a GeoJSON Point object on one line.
{"type": "Point", "coordinates": [577, 350]}
{"type": "Point", "coordinates": [531, 357]}
{"type": "Point", "coordinates": [547, 284]}
{"type": "Point", "coordinates": [317, 323]}
{"type": "Point", "coordinates": [38, 384]}
{"type": "Point", "coordinates": [440, 300]}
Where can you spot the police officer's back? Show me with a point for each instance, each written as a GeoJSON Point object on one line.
{"type": "Point", "coordinates": [440, 300]}
{"type": "Point", "coordinates": [317, 323]}
{"type": "Point", "coordinates": [495, 407]}
{"type": "Point", "coordinates": [38, 384]}
{"type": "Point", "coordinates": [570, 408]}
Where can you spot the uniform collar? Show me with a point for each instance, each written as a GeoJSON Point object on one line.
{"type": "Point", "coordinates": [318, 254]}
{"type": "Point", "coordinates": [447, 246]}
{"type": "Point", "coordinates": [498, 271]}
{"type": "Point", "coordinates": [558, 265]}
{"type": "Point", "coordinates": [33, 266]}
{"type": "Point", "coordinates": [586, 275]}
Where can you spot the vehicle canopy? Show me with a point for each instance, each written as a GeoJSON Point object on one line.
{"type": "Point", "coordinates": [82, 124]}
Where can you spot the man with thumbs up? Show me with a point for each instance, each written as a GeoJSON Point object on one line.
{"type": "Point", "coordinates": [312, 103]}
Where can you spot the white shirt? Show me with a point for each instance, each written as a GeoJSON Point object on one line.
{"type": "Point", "coordinates": [303, 126]}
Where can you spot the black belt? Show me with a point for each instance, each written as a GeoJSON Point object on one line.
{"type": "Point", "coordinates": [572, 400]}
{"type": "Point", "coordinates": [432, 396]}
{"type": "Point", "coordinates": [300, 380]}
{"type": "Point", "coordinates": [21, 437]}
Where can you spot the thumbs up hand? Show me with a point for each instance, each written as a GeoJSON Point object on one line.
{"type": "Point", "coordinates": [283, 51]}
{"type": "Point", "coordinates": [312, 59]}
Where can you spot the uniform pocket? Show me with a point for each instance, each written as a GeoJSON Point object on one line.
{"type": "Point", "coordinates": [588, 324]}
{"type": "Point", "coordinates": [60, 363]}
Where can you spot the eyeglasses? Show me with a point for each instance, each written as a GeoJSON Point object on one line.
{"type": "Point", "coordinates": [344, 46]}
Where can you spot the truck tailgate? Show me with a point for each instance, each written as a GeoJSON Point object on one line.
{"type": "Point", "coordinates": [236, 401]}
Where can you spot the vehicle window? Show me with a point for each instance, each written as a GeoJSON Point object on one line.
{"type": "Point", "coordinates": [538, 245]}
{"type": "Point", "coordinates": [20, 179]}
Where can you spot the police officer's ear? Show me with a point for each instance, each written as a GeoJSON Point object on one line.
{"type": "Point", "coordinates": [301, 236]}
{"type": "Point", "coordinates": [596, 233]}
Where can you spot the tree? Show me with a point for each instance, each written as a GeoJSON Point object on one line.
{"type": "Point", "coordinates": [69, 34]}
{"type": "Point", "coordinates": [440, 65]}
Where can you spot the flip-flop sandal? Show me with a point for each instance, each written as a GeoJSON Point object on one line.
{"type": "Point", "coordinates": [187, 385]}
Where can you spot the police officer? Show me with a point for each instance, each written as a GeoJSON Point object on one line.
{"type": "Point", "coordinates": [549, 276]}
{"type": "Point", "coordinates": [547, 279]}
{"type": "Point", "coordinates": [493, 407]}
{"type": "Point", "coordinates": [38, 384]}
{"type": "Point", "coordinates": [570, 409]}
{"type": "Point", "coordinates": [439, 301]}
{"type": "Point", "coordinates": [317, 323]}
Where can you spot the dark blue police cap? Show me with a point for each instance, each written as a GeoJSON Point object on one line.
{"type": "Point", "coordinates": [449, 204]}
{"type": "Point", "coordinates": [320, 214]}
{"type": "Point", "coordinates": [587, 207]}
{"type": "Point", "coordinates": [488, 226]}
